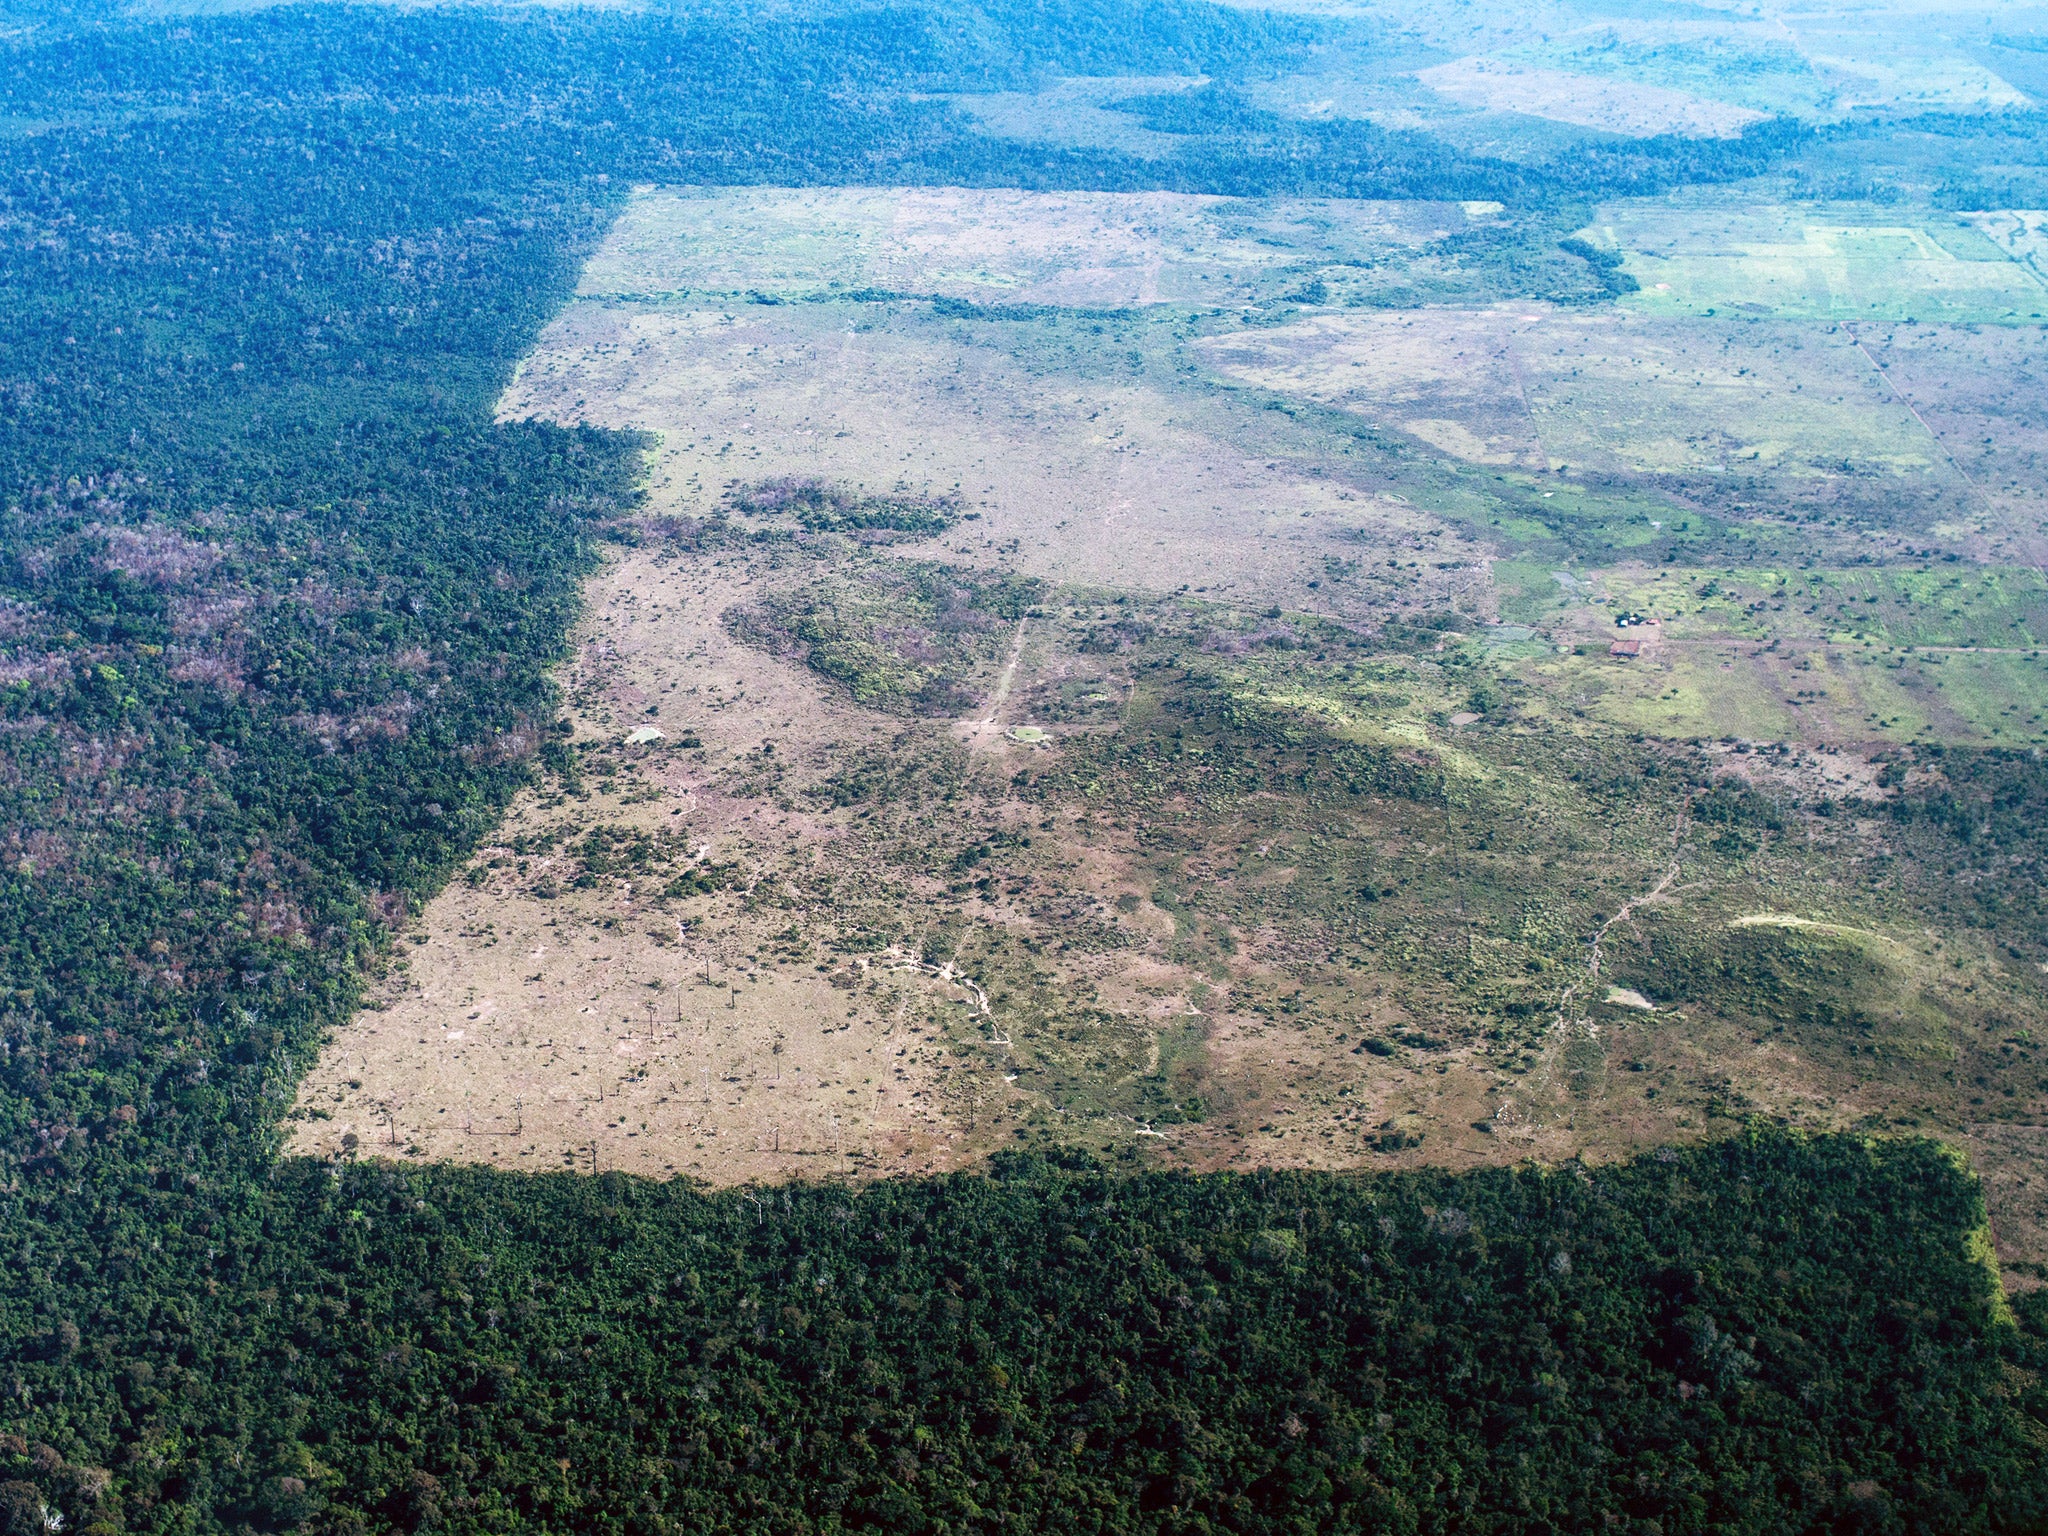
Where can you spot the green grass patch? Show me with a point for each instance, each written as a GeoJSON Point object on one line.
{"type": "Point", "coordinates": [1840, 262]}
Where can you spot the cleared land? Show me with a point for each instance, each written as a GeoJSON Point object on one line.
{"type": "Point", "coordinates": [1536, 387]}
{"type": "Point", "coordinates": [1513, 70]}
{"type": "Point", "coordinates": [1841, 262]}
{"type": "Point", "coordinates": [1192, 732]}
{"type": "Point", "coordinates": [1078, 249]}
{"type": "Point", "coordinates": [1452, 378]}
{"type": "Point", "coordinates": [1893, 62]}
{"type": "Point", "coordinates": [1744, 62]}
{"type": "Point", "coordinates": [1613, 105]}
{"type": "Point", "coordinates": [559, 1008]}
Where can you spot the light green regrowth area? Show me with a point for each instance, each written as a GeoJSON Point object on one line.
{"type": "Point", "coordinates": [1842, 262]}
{"type": "Point", "coordinates": [1979, 1246]}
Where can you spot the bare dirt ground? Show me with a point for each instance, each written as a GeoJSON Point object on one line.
{"type": "Point", "coordinates": [1616, 106]}
{"type": "Point", "coordinates": [535, 1024]}
{"type": "Point", "coordinates": [527, 1024]}
{"type": "Point", "coordinates": [1449, 377]}
{"type": "Point", "coordinates": [693, 956]}
{"type": "Point", "coordinates": [538, 1017]}
{"type": "Point", "coordinates": [2012, 1160]}
{"type": "Point", "coordinates": [1084, 249]}
{"type": "Point", "coordinates": [532, 1021]}
{"type": "Point", "coordinates": [1533, 386]}
{"type": "Point", "coordinates": [1109, 481]}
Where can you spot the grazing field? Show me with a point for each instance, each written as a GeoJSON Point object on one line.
{"type": "Point", "coordinates": [1613, 105]}
{"type": "Point", "coordinates": [594, 995]}
{"type": "Point", "coordinates": [1201, 733]}
{"type": "Point", "coordinates": [1895, 64]}
{"type": "Point", "coordinates": [1071, 249]}
{"type": "Point", "coordinates": [1615, 394]}
{"type": "Point", "coordinates": [1450, 377]}
{"type": "Point", "coordinates": [1927, 651]}
{"type": "Point", "coordinates": [1843, 262]}
{"type": "Point", "coordinates": [1530, 84]}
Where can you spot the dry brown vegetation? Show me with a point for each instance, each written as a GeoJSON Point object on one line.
{"type": "Point", "coordinates": [1614, 105]}
{"type": "Point", "coordinates": [930, 937]}
{"type": "Point", "coordinates": [1182, 797]}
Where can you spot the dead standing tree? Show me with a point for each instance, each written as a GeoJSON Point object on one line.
{"type": "Point", "coordinates": [700, 949]}
{"type": "Point", "coordinates": [388, 1109]}
{"type": "Point", "coordinates": [728, 959]}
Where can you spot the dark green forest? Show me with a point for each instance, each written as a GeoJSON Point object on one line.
{"type": "Point", "coordinates": [278, 600]}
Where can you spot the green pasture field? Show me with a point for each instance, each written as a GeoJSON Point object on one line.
{"type": "Point", "coordinates": [1719, 396]}
{"type": "Point", "coordinates": [1816, 694]}
{"type": "Point", "coordinates": [1941, 652]}
{"type": "Point", "coordinates": [1945, 604]}
{"type": "Point", "coordinates": [1891, 57]}
{"type": "Point", "coordinates": [1593, 523]}
{"type": "Point", "coordinates": [1808, 62]}
{"type": "Point", "coordinates": [1669, 428]}
{"type": "Point", "coordinates": [1726, 256]}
